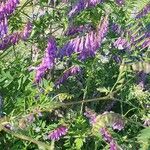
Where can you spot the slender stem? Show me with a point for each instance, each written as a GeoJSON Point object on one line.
{"type": "Point", "coordinates": [108, 97]}
{"type": "Point", "coordinates": [23, 6]}
{"type": "Point", "coordinates": [118, 79]}
{"type": "Point", "coordinates": [84, 96]}
{"type": "Point", "coordinates": [26, 138]}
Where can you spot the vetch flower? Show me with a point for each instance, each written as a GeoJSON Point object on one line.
{"type": "Point", "coordinates": [14, 38]}
{"type": "Point", "coordinates": [113, 145]}
{"type": "Point", "coordinates": [121, 43]}
{"type": "Point", "coordinates": [70, 72]}
{"type": "Point", "coordinates": [116, 28]}
{"type": "Point", "coordinates": [108, 119]}
{"type": "Point", "coordinates": [86, 46]}
{"type": "Point", "coordinates": [116, 121]}
{"type": "Point", "coordinates": [118, 124]}
{"type": "Point", "coordinates": [8, 7]}
{"type": "Point", "coordinates": [48, 60]}
{"type": "Point", "coordinates": [109, 139]}
{"type": "Point", "coordinates": [58, 133]}
{"type": "Point", "coordinates": [144, 11]}
{"type": "Point", "coordinates": [26, 31]}
{"type": "Point", "coordinates": [106, 135]}
{"type": "Point", "coordinates": [9, 40]}
{"type": "Point", "coordinates": [72, 30]}
{"type": "Point", "coordinates": [81, 5]}
{"type": "Point", "coordinates": [3, 27]}
{"type": "Point", "coordinates": [102, 29]}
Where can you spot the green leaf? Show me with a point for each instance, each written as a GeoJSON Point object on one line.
{"type": "Point", "coordinates": [79, 143]}
{"type": "Point", "coordinates": [144, 139]}
{"type": "Point", "coordinates": [144, 135]}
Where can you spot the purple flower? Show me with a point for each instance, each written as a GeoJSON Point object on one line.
{"type": "Point", "coordinates": [102, 29]}
{"type": "Point", "coordinates": [91, 115]}
{"type": "Point", "coordinates": [106, 135]}
{"type": "Point", "coordinates": [113, 145]}
{"type": "Point", "coordinates": [3, 27]}
{"type": "Point", "coordinates": [120, 2]}
{"type": "Point", "coordinates": [121, 43]}
{"type": "Point", "coordinates": [70, 72]}
{"type": "Point", "coordinates": [118, 124]}
{"type": "Point", "coordinates": [116, 28]}
{"type": "Point", "coordinates": [81, 5]}
{"type": "Point", "coordinates": [86, 46]}
{"type": "Point", "coordinates": [72, 30]}
{"type": "Point", "coordinates": [8, 7]}
{"type": "Point", "coordinates": [144, 11]}
{"type": "Point", "coordinates": [115, 120]}
{"type": "Point", "coordinates": [58, 133]}
{"type": "Point", "coordinates": [48, 60]}
{"type": "Point", "coordinates": [109, 139]}
{"type": "Point", "coordinates": [26, 31]}
{"type": "Point", "coordinates": [9, 40]}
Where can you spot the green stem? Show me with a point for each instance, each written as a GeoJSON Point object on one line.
{"type": "Point", "coordinates": [26, 138]}
{"type": "Point", "coordinates": [84, 96]}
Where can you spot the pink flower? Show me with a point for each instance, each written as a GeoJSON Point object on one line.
{"type": "Point", "coordinates": [58, 133]}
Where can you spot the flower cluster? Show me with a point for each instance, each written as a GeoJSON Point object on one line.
{"type": "Point", "coordinates": [48, 60]}
{"type": "Point", "coordinates": [108, 119]}
{"type": "Point", "coordinates": [9, 40]}
{"type": "Point", "coordinates": [102, 29]}
{"type": "Point", "coordinates": [58, 133]}
{"type": "Point", "coordinates": [144, 11]}
{"type": "Point", "coordinates": [3, 27]}
{"type": "Point", "coordinates": [72, 30]}
{"type": "Point", "coordinates": [121, 43]}
{"type": "Point", "coordinates": [86, 45]}
{"type": "Point", "coordinates": [26, 31]}
{"type": "Point", "coordinates": [14, 38]}
{"type": "Point", "coordinates": [8, 7]}
{"type": "Point", "coordinates": [70, 72]}
{"type": "Point", "coordinates": [116, 121]}
{"type": "Point", "coordinates": [116, 28]}
{"type": "Point", "coordinates": [137, 40]}
{"type": "Point", "coordinates": [109, 139]}
{"type": "Point", "coordinates": [81, 5]}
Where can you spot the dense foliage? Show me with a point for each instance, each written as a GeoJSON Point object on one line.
{"type": "Point", "coordinates": [74, 74]}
